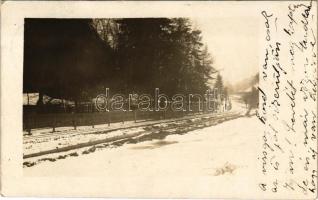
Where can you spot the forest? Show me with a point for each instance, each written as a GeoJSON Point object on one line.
{"type": "Point", "coordinates": [76, 59]}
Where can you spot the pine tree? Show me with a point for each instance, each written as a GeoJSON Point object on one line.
{"type": "Point", "coordinates": [219, 84]}
{"type": "Point", "coordinates": [78, 58]}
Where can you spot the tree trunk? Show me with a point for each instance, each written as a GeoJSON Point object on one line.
{"type": "Point", "coordinates": [76, 106]}
{"type": "Point", "coordinates": [40, 101]}
{"type": "Point", "coordinates": [28, 98]}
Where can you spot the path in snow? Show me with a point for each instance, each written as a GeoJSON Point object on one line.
{"type": "Point", "coordinates": [224, 152]}
{"type": "Point", "coordinates": [43, 140]}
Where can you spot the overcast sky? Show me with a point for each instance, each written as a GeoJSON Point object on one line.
{"type": "Point", "coordinates": [233, 44]}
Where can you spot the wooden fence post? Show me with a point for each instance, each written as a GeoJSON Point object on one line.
{"type": "Point", "coordinates": [28, 124]}
{"type": "Point", "coordinates": [109, 118]}
{"type": "Point", "coordinates": [54, 123]}
{"type": "Point", "coordinates": [34, 122]}
{"type": "Point", "coordinates": [135, 116]}
{"type": "Point", "coordinates": [74, 121]}
{"type": "Point", "coordinates": [92, 118]}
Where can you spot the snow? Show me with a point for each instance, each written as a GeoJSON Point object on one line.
{"type": "Point", "coordinates": [87, 135]}
{"type": "Point", "coordinates": [207, 162]}
{"type": "Point", "coordinates": [249, 89]}
{"type": "Point", "coordinates": [44, 139]}
{"type": "Point", "coordinates": [34, 97]}
{"type": "Point", "coordinates": [226, 152]}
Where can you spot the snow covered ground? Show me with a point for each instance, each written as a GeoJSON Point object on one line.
{"type": "Point", "coordinates": [221, 143]}
{"type": "Point", "coordinates": [220, 156]}
{"type": "Point", "coordinates": [207, 162]}
{"type": "Point", "coordinates": [44, 140]}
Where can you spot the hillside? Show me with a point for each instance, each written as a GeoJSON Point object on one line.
{"type": "Point", "coordinates": [244, 85]}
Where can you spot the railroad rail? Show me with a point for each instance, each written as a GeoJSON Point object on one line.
{"type": "Point", "coordinates": [151, 131]}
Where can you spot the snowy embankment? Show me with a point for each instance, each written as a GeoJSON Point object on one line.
{"type": "Point", "coordinates": [204, 160]}
{"type": "Point", "coordinates": [44, 145]}
{"type": "Point", "coordinates": [49, 148]}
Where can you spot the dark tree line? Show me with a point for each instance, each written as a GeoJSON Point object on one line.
{"type": "Point", "coordinates": [63, 58]}
{"type": "Point", "coordinates": [76, 59]}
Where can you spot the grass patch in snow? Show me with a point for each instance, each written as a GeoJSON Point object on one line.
{"type": "Point", "coordinates": [226, 168]}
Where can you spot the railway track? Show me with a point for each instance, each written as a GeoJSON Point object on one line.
{"type": "Point", "coordinates": [150, 131]}
{"type": "Point", "coordinates": [103, 130]}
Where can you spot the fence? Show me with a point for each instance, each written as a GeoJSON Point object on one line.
{"type": "Point", "coordinates": [32, 120]}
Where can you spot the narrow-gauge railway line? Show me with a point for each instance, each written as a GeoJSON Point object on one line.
{"type": "Point", "coordinates": [104, 130]}
{"type": "Point", "coordinates": [151, 131]}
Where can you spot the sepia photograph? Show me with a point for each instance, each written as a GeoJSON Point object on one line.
{"type": "Point", "coordinates": [100, 90]}
{"type": "Point", "coordinates": [159, 100]}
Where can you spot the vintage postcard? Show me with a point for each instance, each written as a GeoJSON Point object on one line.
{"type": "Point", "coordinates": [160, 99]}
